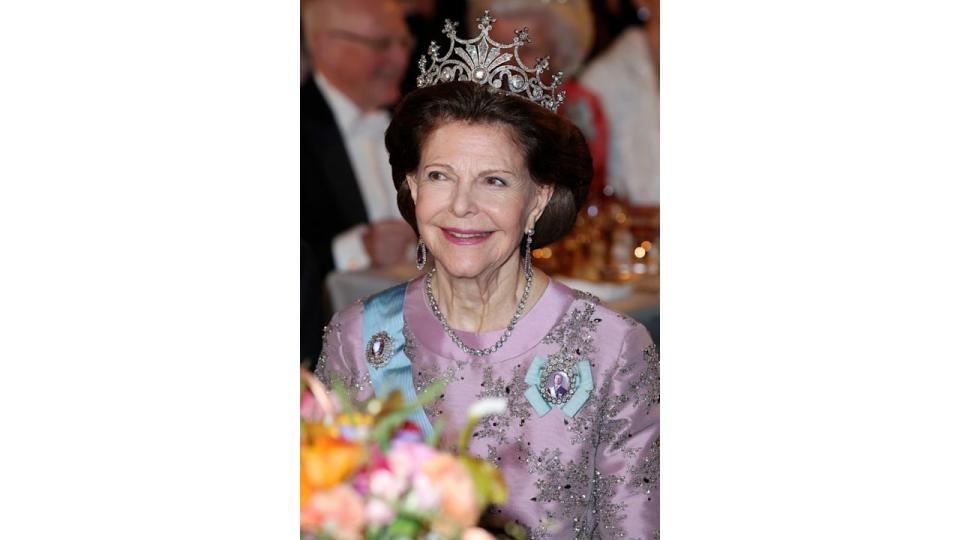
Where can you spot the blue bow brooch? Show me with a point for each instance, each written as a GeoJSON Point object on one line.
{"type": "Point", "coordinates": [556, 382]}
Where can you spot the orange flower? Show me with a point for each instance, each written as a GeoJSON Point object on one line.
{"type": "Point", "coordinates": [305, 489]}
{"type": "Point", "coordinates": [353, 427]}
{"type": "Point", "coordinates": [317, 430]}
{"type": "Point", "coordinates": [337, 512]}
{"type": "Point", "coordinates": [328, 461]}
{"type": "Point", "coordinates": [458, 504]}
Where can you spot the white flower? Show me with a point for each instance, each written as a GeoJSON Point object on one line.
{"type": "Point", "coordinates": [424, 496]}
{"type": "Point", "coordinates": [487, 407]}
{"type": "Point", "coordinates": [385, 485]}
{"type": "Point", "coordinates": [379, 512]}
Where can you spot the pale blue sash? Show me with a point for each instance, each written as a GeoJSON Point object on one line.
{"type": "Point", "coordinates": [384, 312]}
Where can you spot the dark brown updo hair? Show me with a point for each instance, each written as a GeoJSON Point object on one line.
{"type": "Point", "coordinates": [554, 150]}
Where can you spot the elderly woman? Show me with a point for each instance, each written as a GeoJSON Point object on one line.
{"type": "Point", "coordinates": [485, 172]}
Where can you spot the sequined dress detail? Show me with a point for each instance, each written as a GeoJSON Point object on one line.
{"type": "Point", "coordinates": [594, 474]}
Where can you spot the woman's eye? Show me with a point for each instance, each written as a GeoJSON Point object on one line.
{"type": "Point", "coordinates": [496, 181]}
{"type": "Point", "coordinates": [435, 175]}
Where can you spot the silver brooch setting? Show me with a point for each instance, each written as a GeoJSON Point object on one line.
{"type": "Point", "coordinates": [380, 349]}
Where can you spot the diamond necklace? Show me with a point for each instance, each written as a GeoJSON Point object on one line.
{"type": "Point", "coordinates": [456, 339]}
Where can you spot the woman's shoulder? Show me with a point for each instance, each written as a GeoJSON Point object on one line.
{"type": "Point", "coordinates": [354, 311]}
{"type": "Point", "coordinates": [588, 309]}
{"type": "Point", "coordinates": [344, 332]}
{"type": "Point", "coordinates": [349, 320]}
{"type": "Point", "coordinates": [617, 346]}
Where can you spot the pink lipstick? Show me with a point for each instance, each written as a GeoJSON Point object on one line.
{"type": "Point", "coordinates": [465, 237]}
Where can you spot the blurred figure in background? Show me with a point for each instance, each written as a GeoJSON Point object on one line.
{"type": "Point", "coordinates": [311, 292]}
{"type": "Point", "coordinates": [614, 100]}
{"type": "Point", "coordinates": [425, 20]}
{"type": "Point", "coordinates": [358, 51]}
{"type": "Point", "coordinates": [304, 60]}
{"type": "Point", "coordinates": [626, 77]}
{"type": "Point", "coordinates": [562, 30]}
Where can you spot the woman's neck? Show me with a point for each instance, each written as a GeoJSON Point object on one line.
{"type": "Point", "coordinates": [486, 302]}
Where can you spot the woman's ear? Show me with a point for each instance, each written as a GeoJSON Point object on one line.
{"type": "Point", "coordinates": [412, 184]}
{"type": "Point", "coordinates": [544, 193]}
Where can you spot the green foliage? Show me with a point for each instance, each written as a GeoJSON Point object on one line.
{"type": "Point", "coordinates": [404, 526]}
{"type": "Point", "coordinates": [395, 411]}
{"type": "Point", "coordinates": [434, 439]}
{"type": "Point", "coordinates": [343, 396]}
{"type": "Point", "coordinates": [515, 530]}
{"type": "Point", "coordinates": [491, 489]}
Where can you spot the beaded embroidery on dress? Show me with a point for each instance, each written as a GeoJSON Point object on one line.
{"type": "Point", "coordinates": [591, 475]}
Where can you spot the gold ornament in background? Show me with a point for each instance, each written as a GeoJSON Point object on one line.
{"type": "Point", "coordinates": [611, 241]}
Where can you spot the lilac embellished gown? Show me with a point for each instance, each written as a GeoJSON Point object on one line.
{"type": "Point", "coordinates": [592, 474]}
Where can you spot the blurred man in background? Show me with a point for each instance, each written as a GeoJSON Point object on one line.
{"type": "Point", "coordinates": [358, 50]}
{"type": "Point", "coordinates": [626, 78]}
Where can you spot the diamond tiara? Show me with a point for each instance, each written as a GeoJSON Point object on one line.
{"type": "Point", "coordinates": [481, 61]}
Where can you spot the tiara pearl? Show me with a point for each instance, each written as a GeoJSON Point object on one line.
{"type": "Point", "coordinates": [480, 60]}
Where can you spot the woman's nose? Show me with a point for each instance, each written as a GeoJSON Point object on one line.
{"type": "Point", "coordinates": [463, 203]}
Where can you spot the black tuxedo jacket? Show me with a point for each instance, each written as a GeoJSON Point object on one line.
{"type": "Point", "coordinates": [330, 200]}
{"type": "Point", "coordinates": [330, 203]}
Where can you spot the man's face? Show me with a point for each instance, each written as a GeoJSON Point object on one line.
{"type": "Point", "coordinates": [364, 52]}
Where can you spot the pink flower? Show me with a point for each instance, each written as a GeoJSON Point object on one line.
{"type": "Point", "coordinates": [475, 533]}
{"type": "Point", "coordinates": [309, 410]}
{"type": "Point", "coordinates": [424, 497]}
{"type": "Point", "coordinates": [361, 482]}
{"type": "Point", "coordinates": [459, 505]}
{"type": "Point", "coordinates": [379, 512]}
{"type": "Point", "coordinates": [407, 457]}
{"type": "Point", "coordinates": [387, 485]}
{"type": "Point", "coordinates": [377, 459]}
{"type": "Point", "coordinates": [337, 511]}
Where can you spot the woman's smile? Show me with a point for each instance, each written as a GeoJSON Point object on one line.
{"type": "Point", "coordinates": [465, 237]}
{"type": "Point", "coordinates": [474, 198]}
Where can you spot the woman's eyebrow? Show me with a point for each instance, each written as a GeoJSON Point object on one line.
{"type": "Point", "coordinates": [438, 164]}
{"type": "Point", "coordinates": [497, 171]}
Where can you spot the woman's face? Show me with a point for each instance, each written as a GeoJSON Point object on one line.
{"type": "Point", "coordinates": [474, 197]}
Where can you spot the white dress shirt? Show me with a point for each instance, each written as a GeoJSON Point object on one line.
{"type": "Point", "coordinates": [363, 137]}
{"type": "Point", "coordinates": [625, 80]}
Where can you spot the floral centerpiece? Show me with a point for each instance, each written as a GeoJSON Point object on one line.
{"type": "Point", "coordinates": [366, 472]}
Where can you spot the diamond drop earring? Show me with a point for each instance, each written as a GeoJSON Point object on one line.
{"type": "Point", "coordinates": [421, 254]}
{"type": "Point", "coordinates": [527, 263]}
